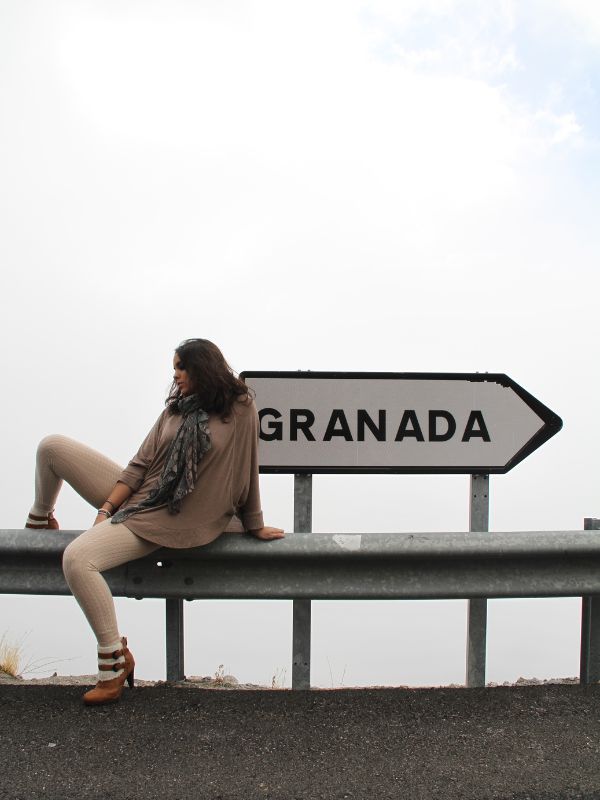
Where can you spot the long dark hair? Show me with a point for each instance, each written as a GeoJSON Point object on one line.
{"type": "Point", "coordinates": [213, 380]}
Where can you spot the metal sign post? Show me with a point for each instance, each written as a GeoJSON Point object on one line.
{"type": "Point", "coordinates": [589, 666]}
{"type": "Point", "coordinates": [301, 608]}
{"type": "Point", "coordinates": [477, 607]}
{"type": "Point", "coordinates": [174, 639]}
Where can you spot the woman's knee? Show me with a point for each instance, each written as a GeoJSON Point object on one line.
{"type": "Point", "coordinates": [75, 561]}
{"type": "Point", "coordinates": [51, 445]}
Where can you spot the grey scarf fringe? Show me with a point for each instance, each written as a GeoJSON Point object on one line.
{"type": "Point", "coordinates": [178, 478]}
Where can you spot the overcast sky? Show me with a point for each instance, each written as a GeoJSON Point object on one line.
{"type": "Point", "coordinates": [408, 185]}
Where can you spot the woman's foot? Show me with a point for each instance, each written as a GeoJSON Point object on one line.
{"type": "Point", "coordinates": [45, 523]}
{"type": "Point", "coordinates": [118, 661]}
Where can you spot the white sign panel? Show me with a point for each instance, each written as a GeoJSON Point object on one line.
{"type": "Point", "coordinates": [396, 422]}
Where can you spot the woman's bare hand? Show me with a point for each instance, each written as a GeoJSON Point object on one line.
{"type": "Point", "coordinates": [99, 518]}
{"type": "Point", "coordinates": [266, 533]}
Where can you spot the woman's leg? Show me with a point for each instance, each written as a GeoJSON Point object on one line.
{"type": "Point", "coordinates": [100, 548]}
{"type": "Point", "coordinates": [59, 458]}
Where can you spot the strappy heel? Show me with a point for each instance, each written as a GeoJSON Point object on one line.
{"type": "Point", "coordinates": [129, 679]}
{"type": "Point", "coordinates": [46, 523]}
{"type": "Point", "coordinates": [109, 691]}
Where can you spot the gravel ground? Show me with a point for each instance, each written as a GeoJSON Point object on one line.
{"type": "Point", "coordinates": [519, 743]}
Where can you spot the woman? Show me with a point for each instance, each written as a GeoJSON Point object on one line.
{"type": "Point", "coordinates": [194, 474]}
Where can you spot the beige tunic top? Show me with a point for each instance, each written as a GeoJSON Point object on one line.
{"type": "Point", "coordinates": [227, 482]}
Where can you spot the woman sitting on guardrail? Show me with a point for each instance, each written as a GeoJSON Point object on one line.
{"type": "Point", "coordinates": [194, 471]}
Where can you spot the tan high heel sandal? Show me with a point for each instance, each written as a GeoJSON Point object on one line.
{"type": "Point", "coordinates": [110, 691]}
{"type": "Point", "coordinates": [47, 523]}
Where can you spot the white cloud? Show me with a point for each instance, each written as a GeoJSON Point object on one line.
{"type": "Point", "coordinates": [459, 36]}
{"type": "Point", "coordinates": [284, 90]}
{"type": "Point", "coordinates": [583, 14]}
{"type": "Point", "coordinates": [496, 44]}
{"type": "Point", "coordinates": [561, 128]}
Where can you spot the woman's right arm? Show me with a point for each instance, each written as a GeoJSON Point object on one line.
{"type": "Point", "coordinates": [115, 500]}
{"type": "Point", "coordinates": [132, 477]}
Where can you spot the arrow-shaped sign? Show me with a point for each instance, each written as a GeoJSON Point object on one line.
{"type": "Point", "coordinates": [343, 422]}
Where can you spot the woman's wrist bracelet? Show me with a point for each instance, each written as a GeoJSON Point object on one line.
{"type": "Point", "coordinates": [104, 511]}
{"type": "Point", "coordinates": [111, 504]}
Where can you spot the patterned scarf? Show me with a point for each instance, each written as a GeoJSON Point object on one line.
{"type": "Point", "coordinates": [185, 452]}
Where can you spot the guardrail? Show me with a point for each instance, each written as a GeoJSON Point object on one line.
{"type": "Point", "coordinates": [335, 566]}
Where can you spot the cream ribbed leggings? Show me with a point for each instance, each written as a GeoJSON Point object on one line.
{"type": "Point", "coordinates": [102, 547]}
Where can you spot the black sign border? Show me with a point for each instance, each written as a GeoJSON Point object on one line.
{"type": "Point", "coordinates": [552, 422]}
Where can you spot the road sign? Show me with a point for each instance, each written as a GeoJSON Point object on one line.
{"type": "Point", "coordinates": [341, 422]}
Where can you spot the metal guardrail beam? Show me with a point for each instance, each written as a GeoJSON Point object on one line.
{"type": "Point", "coordinates": [31, 563]}
{"type": "Point", "coordinates": [330, 566]}
{"type": "Point", "coordinates": [38, 544]}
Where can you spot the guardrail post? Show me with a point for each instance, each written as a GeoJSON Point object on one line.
{"type": "Point", "coordinates": [174, 637]}
{"type": "Point", "coordinates": [477, 610]}
{"type": "Point", "coordinates": [301, 608]}
{"type": "Point", "coordinates": [589, 663]}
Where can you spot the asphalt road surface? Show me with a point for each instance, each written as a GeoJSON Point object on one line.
{"type": "Point", "coordinates": [529, 743]}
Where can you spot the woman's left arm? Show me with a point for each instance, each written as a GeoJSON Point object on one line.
{"type": "Point", "coordinates": [266, 533]}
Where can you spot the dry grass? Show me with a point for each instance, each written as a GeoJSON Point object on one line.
{"type": "Point", "coordinates": [11, 655]}
{"type": "Point", "coordinates": [341, 682]}
{"type": "Point", "coordinates": [220, 675]}
{"type": "Point", "coordinates": [278, 679]}
{"type": "Point", "coordinates": [13, 662]}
